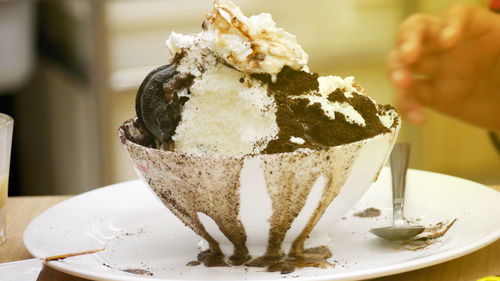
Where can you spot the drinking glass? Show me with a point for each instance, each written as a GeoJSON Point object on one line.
{"type": "Point", "coordinates": [6, 127]}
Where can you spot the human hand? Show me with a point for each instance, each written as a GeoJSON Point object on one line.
{"type": "Point", "coordinates": [450, 64]}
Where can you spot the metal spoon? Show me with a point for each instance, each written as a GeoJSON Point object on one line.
{"type": "Point", "coordinates": [399, 229]}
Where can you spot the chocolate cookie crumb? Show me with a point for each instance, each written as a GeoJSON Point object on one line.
{"type": "Point", "coordinates": [368, 213]}
{"type": "Point", "coordinates": [138, 271]}
{"type": "Point", "coordinates": [193, 263]}
{"type": "Point", "coordinates": [296, 117]}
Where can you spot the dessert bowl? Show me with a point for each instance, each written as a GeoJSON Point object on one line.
{"type": "Point", "coordinates": [266, 210]}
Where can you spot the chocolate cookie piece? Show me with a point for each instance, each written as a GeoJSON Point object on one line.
{"type": "Point", "coordinates": [158, 104]}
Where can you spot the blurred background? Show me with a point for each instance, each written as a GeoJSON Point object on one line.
{"type": "Point", "coordinates": [69, 71]}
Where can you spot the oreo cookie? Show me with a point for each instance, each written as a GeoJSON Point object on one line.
{"type": "Point", "coordinates": [158, 104]}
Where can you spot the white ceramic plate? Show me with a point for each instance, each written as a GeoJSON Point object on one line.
{"type": "Point", "coordinates": [138, 232]}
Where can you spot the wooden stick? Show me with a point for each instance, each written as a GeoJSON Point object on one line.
{"type": "Point", "coordinates": [63, 256]}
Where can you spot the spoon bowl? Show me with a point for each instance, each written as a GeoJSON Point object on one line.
{"type": "Point", "coordinates": [399, 229]}
{"type": "Point", "coordinates": [393, 233]}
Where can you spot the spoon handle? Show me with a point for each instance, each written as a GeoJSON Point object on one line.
{"type": "Point", "coordinates": [399, 164]}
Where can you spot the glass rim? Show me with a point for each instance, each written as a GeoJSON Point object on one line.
{"type": "Point", "coordinates": [5, 119]}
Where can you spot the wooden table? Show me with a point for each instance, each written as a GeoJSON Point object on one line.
{"type": "Point", "coordinates": [482, 263]}
{"type": "Point", "coordinates": [20, 211]}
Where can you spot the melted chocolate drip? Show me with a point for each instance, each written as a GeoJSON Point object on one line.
{"type": "Point", "coordinates": [210, 259]}
{"type": "Point", "coordinates": [313, 257]}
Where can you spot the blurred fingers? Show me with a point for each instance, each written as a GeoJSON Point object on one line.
{"type": "Point", "coordinates": [422, 92]}
{"type": "Point", "coordinates": [455, 21]}
{"type": "Point", "coordinates": [397, 72]}
{"type": "Point", "coordinates": [411, 102]}
{"type": "Point", "coordinates": [414, 34]}
{"type": "Point", "coordinates": [410, 109]}
{"type": "Point", "coordinates": [403, 76]}
{"type": "Point", "coordinates": [425, 68]}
